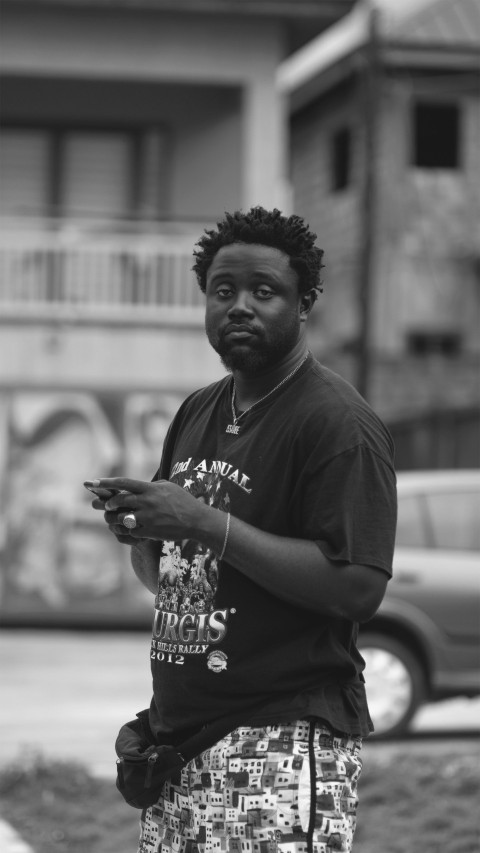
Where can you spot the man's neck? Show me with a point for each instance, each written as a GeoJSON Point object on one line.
{"type": "Point", "coordinates": [250, 388]}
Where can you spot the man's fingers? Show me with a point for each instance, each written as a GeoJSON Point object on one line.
{"type": "Point", "coordinates": [121, 502]}
{"type": "Point", "coordinates": [115, 519]}
{"type": "Point", "coordinates": [110, 518]}
{"type": "Point", "coordinates": [120, 531]}
{"type": "Point", "coordinates": [98, 504]}
{"type": "Point", "coordinates": [121, 483]}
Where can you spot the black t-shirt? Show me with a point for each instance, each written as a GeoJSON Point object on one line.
{"type": "Point", "coordinates": [312, 461]}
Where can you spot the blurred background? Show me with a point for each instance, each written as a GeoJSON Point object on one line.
{"type": "Point", "coordinates": [129, 127]}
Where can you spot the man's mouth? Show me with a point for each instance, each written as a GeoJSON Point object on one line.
{"type": "Point", "coordinates": [237, 331]}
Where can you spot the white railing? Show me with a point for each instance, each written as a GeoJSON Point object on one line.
{"type": "Point", "coordinates": [83, 276]}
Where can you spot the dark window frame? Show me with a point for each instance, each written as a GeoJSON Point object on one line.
{"type": "Point", "coordinates": [436, 134]}
{"type": "Point", "coordinates": [341, 144]}
{"type": "Point", "coordinates": [422, 343]}
{"type": "Point", "coordinates": [57, 132]}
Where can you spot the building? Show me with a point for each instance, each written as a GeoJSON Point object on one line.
{"type": "Point", "coordinates": [126, 128]}
{"type": "Point", "coordinates": [385, 164]}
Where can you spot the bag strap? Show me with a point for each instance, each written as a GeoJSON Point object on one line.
{"type": "Point", "coordinates": [209, 735]}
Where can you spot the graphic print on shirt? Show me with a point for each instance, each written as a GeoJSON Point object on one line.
{"type": "Point", "coordinates": [186, 620]}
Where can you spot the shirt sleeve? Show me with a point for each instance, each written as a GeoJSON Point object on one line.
{"type": "Point", "coordinates": [349, 507]}
{"type": "Point", "coordinates": [163, 471]}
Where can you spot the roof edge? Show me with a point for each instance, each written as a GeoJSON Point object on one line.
{"type": "Point", "coordinates": [340, 40]}
{"type": "Point", "coordinates": [336, 53]}
{"type": "Point", "coordinates": [328, 10]}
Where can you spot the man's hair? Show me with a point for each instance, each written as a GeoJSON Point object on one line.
{"type": "Point", "coordinates": [267, 228]}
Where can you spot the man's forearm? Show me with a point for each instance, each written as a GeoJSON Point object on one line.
{"type": "Point", "coordinates": [295, 569]}
{"type": "Point", "coordinates": [145, 559]}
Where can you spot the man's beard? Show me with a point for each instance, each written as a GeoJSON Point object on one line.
{"type": "Point", "coordinates": [259, 354]}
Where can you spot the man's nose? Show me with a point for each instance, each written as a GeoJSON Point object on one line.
{"type": "Point", "coordinates": [241, 304]}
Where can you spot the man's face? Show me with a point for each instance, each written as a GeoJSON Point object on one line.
{"type": "Point", "coordinates": [253, 306]}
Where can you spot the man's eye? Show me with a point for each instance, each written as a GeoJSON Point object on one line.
{"type": "Point", "coordinates": [224, 291]}
{"type": "Point", "coordinates": [264, 292]}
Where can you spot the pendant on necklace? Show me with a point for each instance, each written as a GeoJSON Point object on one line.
{"type": "Point", "coordinates": [233, 429]}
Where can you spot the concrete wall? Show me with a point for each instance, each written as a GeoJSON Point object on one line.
{"type": "Point", "coordinates": [425, 263]}
{"type": "Point", "coordinates": [99, 358]}
{"type": "Point", "coordinates": [332, 215]}
{"type": "Point", "coordinates": [207, 174]}
{"type": "Point", "coordinates": [427, 226]}
{"type": "Point", "coordinates": [427, 222]}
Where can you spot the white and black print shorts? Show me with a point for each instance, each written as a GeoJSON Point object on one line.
{"type": "Point", "coordinates": [289, 788]}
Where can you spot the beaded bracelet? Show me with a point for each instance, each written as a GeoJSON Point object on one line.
{"type": "Point", "coordinates": [226, 536]}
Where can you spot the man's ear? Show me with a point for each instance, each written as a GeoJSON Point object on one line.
{"type": "Point", "coordinates": [307, 301]}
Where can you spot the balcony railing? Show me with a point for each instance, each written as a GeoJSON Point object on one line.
{"type": "Point", "coordinates": [107, 278]}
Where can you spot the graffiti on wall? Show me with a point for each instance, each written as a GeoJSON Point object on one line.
{"type": "Point", "coordinates": [59, 562]}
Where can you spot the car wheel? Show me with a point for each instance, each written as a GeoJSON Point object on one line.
{"type": "Point", "coordinates": [395, 683]}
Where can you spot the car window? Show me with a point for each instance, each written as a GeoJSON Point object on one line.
{"type": "Point", "coordinates": [411, 527]}
{"type": "Point", "coordinates": [455, 519]}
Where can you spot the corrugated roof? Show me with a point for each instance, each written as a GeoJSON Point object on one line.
{"type": "Point", "coordinates": [449, 23]}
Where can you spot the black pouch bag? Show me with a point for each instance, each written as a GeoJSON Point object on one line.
{"type": "Point", "coordinates": [143, 766]}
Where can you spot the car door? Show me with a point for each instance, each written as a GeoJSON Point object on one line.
{"type": "Point", "coordinates": [437, 569]}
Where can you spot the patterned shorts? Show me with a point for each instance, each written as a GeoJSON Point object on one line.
{"type": "Point", "coordinates": [289, 788]}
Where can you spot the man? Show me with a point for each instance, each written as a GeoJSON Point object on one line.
{"type": "Point", "coordinates": [266, 536]}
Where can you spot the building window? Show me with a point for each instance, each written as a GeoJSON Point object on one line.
{"type": "Point", "coordinates": [82, 173]}
{"type": "Point", "coordinates": [341, 155]}
{"type": "Point", "coordinates": [436, 130]}
{"type": "Point", "coordinates": [434, 343]}
{"type": "Point", "coordinates": [96, 174]}
{"type": "Point", "coordinates": [24, 172]}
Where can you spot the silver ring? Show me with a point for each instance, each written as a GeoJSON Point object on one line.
{"type": "Point", "coordinates": [130, 521]}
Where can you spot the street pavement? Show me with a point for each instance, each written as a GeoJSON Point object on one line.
{"type": "Point", "coordinates": [10, 841]}
{"type": "Point", "coordinates": [65, 694]}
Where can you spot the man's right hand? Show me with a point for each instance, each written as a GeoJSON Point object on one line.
{"type": "Point", "coordinates": [114, 523]}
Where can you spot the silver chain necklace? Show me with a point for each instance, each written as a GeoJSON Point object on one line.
{"type": "Point", "coordinates": [234, 429]}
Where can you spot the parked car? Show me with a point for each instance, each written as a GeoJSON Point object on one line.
{"type": "Point", "coordinates": [423, 643]}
